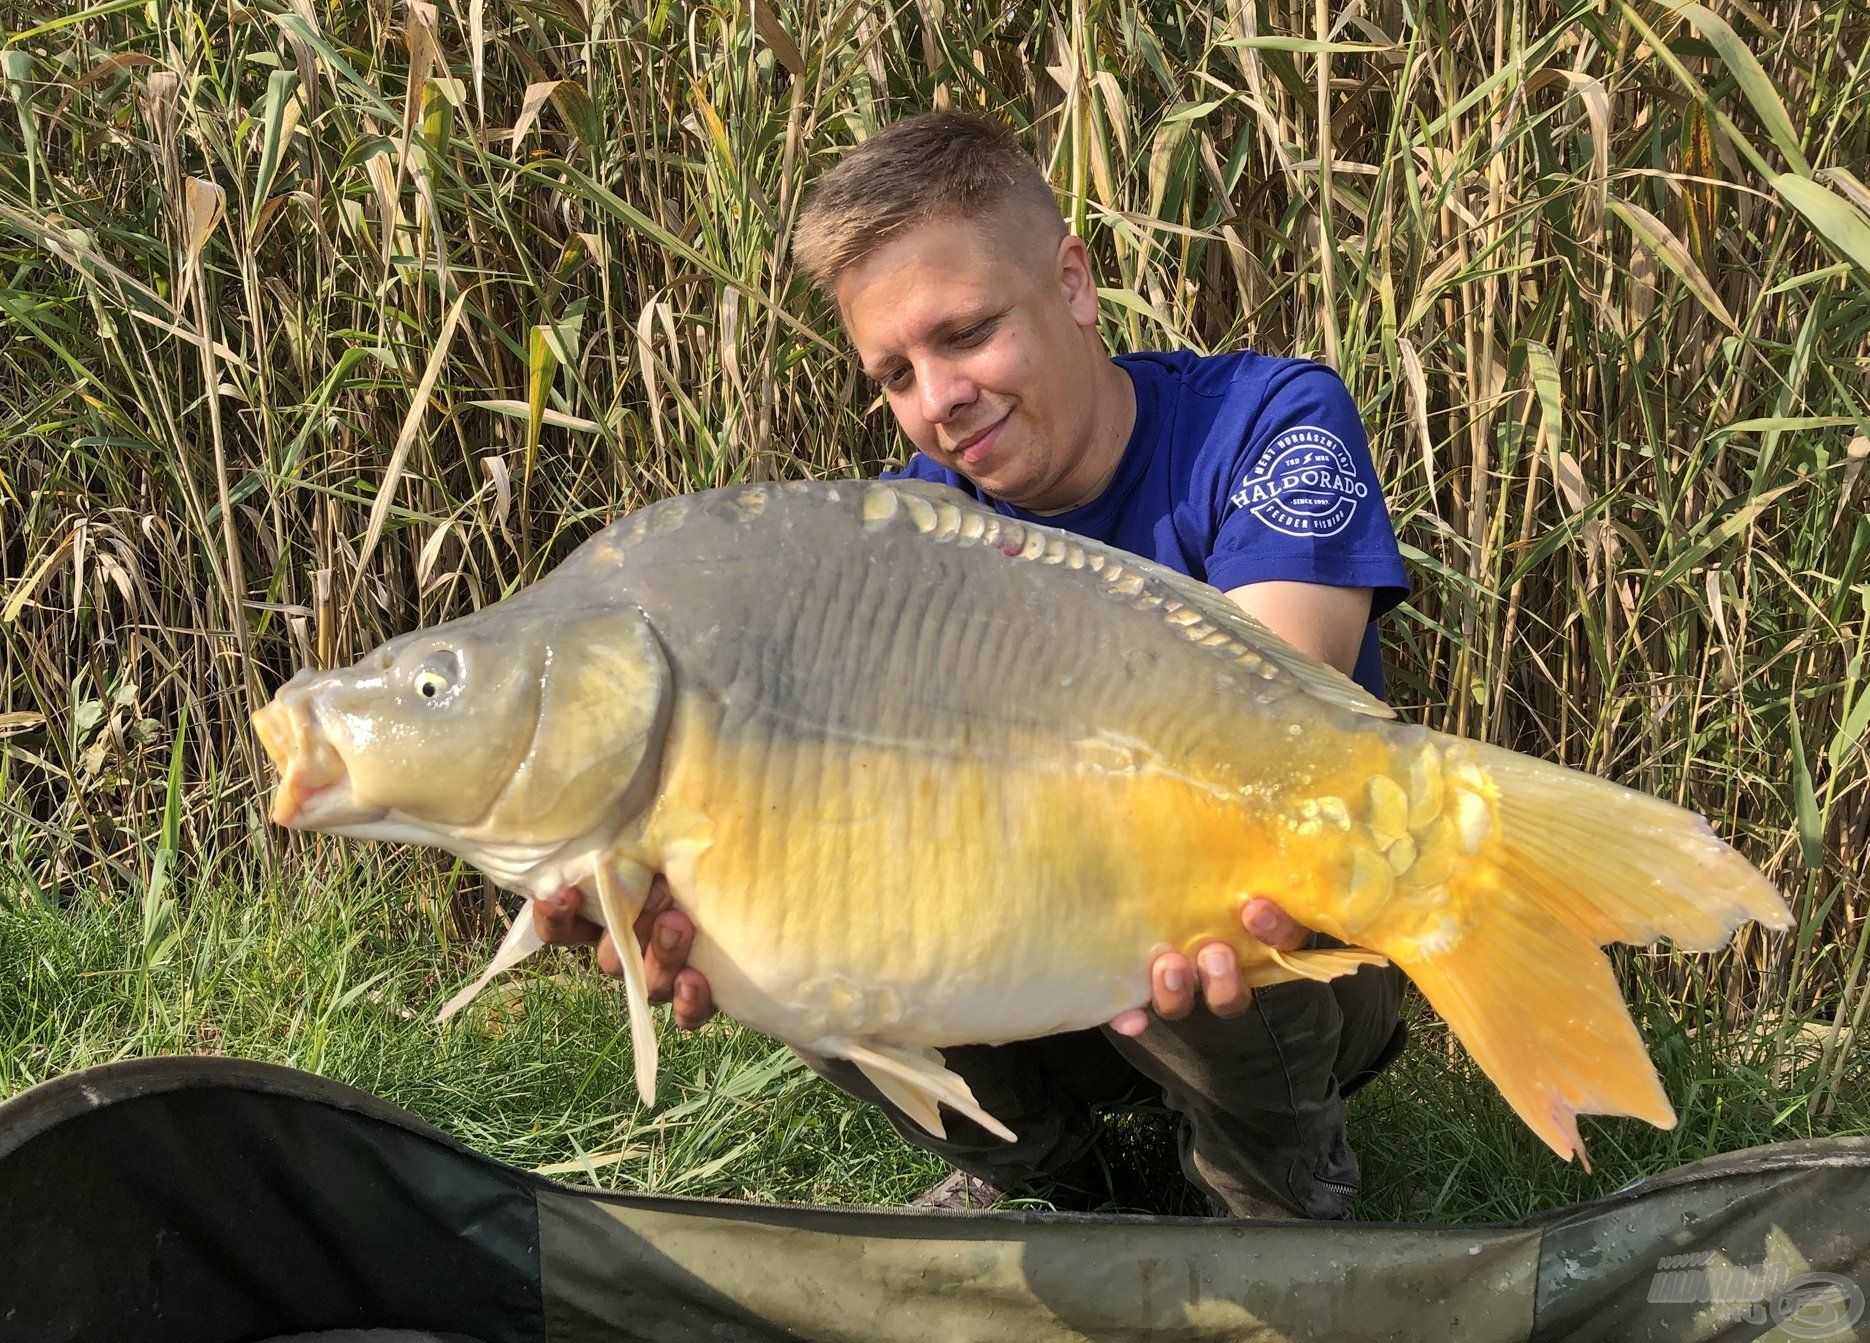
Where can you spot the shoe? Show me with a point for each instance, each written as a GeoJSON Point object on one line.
{"type": "Point", "coordinates": [960, 1192]}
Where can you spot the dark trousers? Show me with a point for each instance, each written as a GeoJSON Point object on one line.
{"type": "Point", "coordinates": [1260, 1096]}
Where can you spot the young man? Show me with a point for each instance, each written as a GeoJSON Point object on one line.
{"type": "Point", "coordinates": [975, 312]}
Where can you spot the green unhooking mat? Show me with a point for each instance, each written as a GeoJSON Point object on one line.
{"type": "Point", "coordinates": [204, 1200]}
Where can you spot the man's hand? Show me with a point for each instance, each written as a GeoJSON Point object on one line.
{"type": "Point", "coordinates": [1172, 986]}
{"type": "Point", "coordinates": [664, 933]}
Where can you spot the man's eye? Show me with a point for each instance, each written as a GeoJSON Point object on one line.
{"type": "Point", "coordinates": [975, 334]}
{"type": "Point", "coordinates": [895, 378]}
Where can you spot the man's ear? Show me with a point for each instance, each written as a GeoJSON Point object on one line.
{"type": "Point", "coordinates": [1072, 268]}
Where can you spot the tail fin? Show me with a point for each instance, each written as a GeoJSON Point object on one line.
{"type": "Point", "coordinates": [1570, 863]}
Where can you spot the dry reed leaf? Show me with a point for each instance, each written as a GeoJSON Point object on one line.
{"type": "Point", "coordinates": [423, 44]}
{"type": "Point", "coordinates": [665, 314]}
{"type": "Point", "coordinates": [729, 341]}
{"type": "Point", "coordinates": [1855, 453]}
{"type": "Point", "coordinates": [203, 205]}
{"type": "Point", "coordinates": [15, 721]}
{"type": "Point", "coordinates": [1656, 237]}
{"type": "Point", "coordinates": [1116, 112]}
{"type": "Point", "coordinates": [28, 587]}
{"type": "Point", "coordinates": [1162, 149]}
{"type": "Point", "coordinates": [477, 56]}
{"type": "Point", "coordinates": [80, 539]}
{"type": "Point", "coordinates": [412, 424]}
{"type": "Point", "coordinates": [1245, 17]}
{"type": "Point", "coordinates": [646, 361]}
{"type": "Point", "coordinates": [296, 28]}
{"type": "Point", "coordinates": [1430, 290]}
{"type": "Point", "coordinates": [1417, 384]}
{"type": "Point", "coordinates": [529, 105]}
{"type": "Point", "coordinates": [1717, 608]}
{"type": "Point", "coordinates": [431, 551]}
{"type": "Point", "coordinates": [785, 50]}
{"type": "Point", "coordinates": [270, 210]}
{"type": "Point", "coordinates": [1249, 280]}
{"type": "Point", "coordinates": [111, 67]}
{"type": "Point", "coordinates": [384, 181]}
{"type": "Point", "coordinates": [591, 1162]}
{"type": "Point", "coordinates": [494, 467]}
{"type": "Point", "coordinates": [116, 574]}
{"type": "Point", "coordinates": [299, 629]}
{"type": "Point", "coordinates": [161, 97]}
{"type": "Point", "coordinates": [519, 410]}
{"type": "Point", "coordinates": [1595, 99]}
{"type": "Point", "coordinates": [1571, 486]}
{"type": "Point", "coordinates": [934, 16]}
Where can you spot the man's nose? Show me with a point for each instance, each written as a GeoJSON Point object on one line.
{"type": "Point", "coordinates": [946, 391]}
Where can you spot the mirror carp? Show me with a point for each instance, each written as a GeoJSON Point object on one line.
{"type": "Point", "coordinates": [924, 775]}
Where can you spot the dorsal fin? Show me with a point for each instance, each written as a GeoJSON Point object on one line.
{"type": "Point", "coordinates": [1142, 581]}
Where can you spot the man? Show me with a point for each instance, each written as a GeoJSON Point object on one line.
{"type": "Point", "coordinates": [975, 313]}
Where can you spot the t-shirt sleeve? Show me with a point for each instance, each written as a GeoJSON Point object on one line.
{"type": "Point", "coordinates": [1303, 501]}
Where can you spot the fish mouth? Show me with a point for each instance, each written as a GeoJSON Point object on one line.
{"type": "Point", "coordinates": [308, 764]}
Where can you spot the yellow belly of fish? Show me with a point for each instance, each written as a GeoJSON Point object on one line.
{"type": "Point", "coordinates": [924, 899]}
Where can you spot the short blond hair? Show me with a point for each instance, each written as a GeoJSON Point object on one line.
{"type": "Point", "coordinates": [935, 166]}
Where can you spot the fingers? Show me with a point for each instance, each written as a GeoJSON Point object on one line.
{"type": "Point", "coordinates": [1131, 1023]}
{"type": "Point", "coordinates": [665, 934]}
{"type": "Point", "coordinates": [1221, 988]}
{"type": "Point", "coordinates": [694, 1003]}
{"type": "Point", "coordinates": [673, 982]}
{"type": "Point", "coordinates": [557, 921]}
{"type": "Point", "coordinates": [1171, 986]}
{"type": "Point", "coordinates": [658, 899]}
{"type": "Point", "coordinates": [665, 953]}
{"type": "Point", "coordinates": [1272, 925]}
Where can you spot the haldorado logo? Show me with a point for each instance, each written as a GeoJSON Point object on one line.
{"type": "Point", "coordinates": [1304, 484]}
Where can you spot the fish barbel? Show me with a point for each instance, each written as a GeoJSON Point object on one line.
{"type": "Point", "coordinates": [923, 775]}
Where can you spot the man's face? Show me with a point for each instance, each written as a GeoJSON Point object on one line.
{"type": "Point", "coordinates": [984, 345]}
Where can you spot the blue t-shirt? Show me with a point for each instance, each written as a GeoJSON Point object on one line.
{"type": "Point", "coordinates": [1242, 468]}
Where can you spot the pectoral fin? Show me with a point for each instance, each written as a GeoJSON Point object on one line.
{"type": "Point", "coordinates": [621, 899]}
{"type": "Point", "coordinates": [521, 940]}
{"type": "Point", "coordinates": [914, 1081]}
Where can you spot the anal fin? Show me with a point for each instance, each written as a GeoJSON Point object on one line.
{"type": "Point", "coordinates": [915, 1081]}
{"type": "Point", "coordinates": [1325, 963]}
{"type": "Point", "coordinates": [521, 940]}
{"type": "Point", "coordinates": [620, 909]}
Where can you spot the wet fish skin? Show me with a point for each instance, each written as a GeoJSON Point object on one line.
{"type": "Point", "coordinates": [923, 775]}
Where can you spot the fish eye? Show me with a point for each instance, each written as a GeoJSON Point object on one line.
{"type": "Point", "coordinates": [436, 676]}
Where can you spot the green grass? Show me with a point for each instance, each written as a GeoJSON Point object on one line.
{"type": "Point", "coordinates": [342, 977]}
{"type": "Point", "coordinates": [342, 974]}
